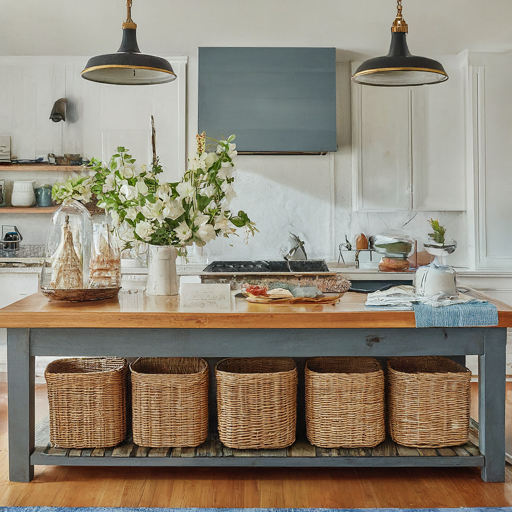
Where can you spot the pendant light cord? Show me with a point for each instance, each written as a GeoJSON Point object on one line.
{"type": "Point", "coordinates": [129, 22]}
{"type": "Point", "coordinates": [129, 11]}
{"type": "Point", "coordinates": [398, 9]}
{"type": "Point", "coordinates": [399, 25]}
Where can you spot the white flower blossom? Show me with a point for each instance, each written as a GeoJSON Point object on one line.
{"type": "Point", "coordinates": [229, 191]}
{"type": "Point", "coordinates": [183, 232]}
{"type": "Point", "coordinates": [153, 211]}
{"type": "Point", "coordinates": [208, 191]}
{"type": "Point", "coordinates": [226, 171]}
{"type": "Point", "coordinates": [186, 189]}
{"type": "Point", "coordinates": [125, 232]}
{"type": "Point", "coordinates": [205, 233]}
{"type": "Point", "coordinates": [141, 187]}
{"type": "Point", "coordinates": [163, 191]}
{"type": "Point", "coordinates": [198, 162]}
{"type": "Point", "coordinates": [129, 192]}
{"type": "Point", "coordinates": [200, 220]}
{"type": "Point", "coordinates": [210, 159]}
{"type": "Point", "coordinates": [224, 224]}
{"type": "Point", "coordinates": [173, 210]}
{"type": "Point", "coordinates": [126, 171]}
{"type": "Point", "coordinates": [131, 213]}
{"type": "Point", "coordinates": [232, 152]}
{"type": "Point", "coordinates": [109, 183]}
{"type": "Point", "coordinates": [144, 230]}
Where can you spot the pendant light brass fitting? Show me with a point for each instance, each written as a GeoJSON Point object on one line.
{"type": "Point", "coordinates": [399, 25]}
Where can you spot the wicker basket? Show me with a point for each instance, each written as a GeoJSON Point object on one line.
{"type": "Point", "coordinates": [428, 401]}
{"type": "Point", "coordinates": [257, 402]}
{"type": "Point", "coordinates": [87, 402]}
{"type": "Point", "coordinates": [169, 401]}
{"type": "Point", "coordinates": [345, 402]}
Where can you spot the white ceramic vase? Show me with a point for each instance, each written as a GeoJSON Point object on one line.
{"type": "Point", "coordinates": [162, 276]}
{"type": "Point", "coordinates": [23, 193]}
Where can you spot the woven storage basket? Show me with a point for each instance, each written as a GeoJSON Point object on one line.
{"type": "Point", "coordinates": [345, 402]}
{"type": "Point", "coordinates": [257, 402]}
{"type": "Point", "coordinates": [428, 401]}
{"type": "Point", "coordinates": [169, 401]}
{"type": "Point", "coordinates": [87, 402]}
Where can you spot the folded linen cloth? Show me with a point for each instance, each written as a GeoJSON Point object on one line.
{"type": "Point", "coordinates": [472, 313]}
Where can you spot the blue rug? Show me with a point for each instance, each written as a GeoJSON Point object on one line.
{"type": "Point", "coordinates": [112, 509]}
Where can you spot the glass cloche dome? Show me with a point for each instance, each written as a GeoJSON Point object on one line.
{"type": "Point", "coordinates": [82, 259]}
{"type": "Point", "coordinates": [68, 249]}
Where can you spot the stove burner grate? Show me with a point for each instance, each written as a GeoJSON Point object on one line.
{"type": "Point", "coordinates": [264, 266]}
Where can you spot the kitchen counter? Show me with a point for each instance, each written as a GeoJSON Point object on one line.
{"type": "Point", "coordinates": [196, 269]}
{"type": "Point", "coordinates": [135, 325]}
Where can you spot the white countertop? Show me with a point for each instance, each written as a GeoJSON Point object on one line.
{"type": "Point", "coordinates": [351, 273]}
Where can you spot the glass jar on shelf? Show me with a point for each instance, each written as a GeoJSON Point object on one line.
{"type": "Point", "coordinates": [394, 248]}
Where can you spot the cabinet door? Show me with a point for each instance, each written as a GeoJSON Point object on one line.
{"type": "Point", "coordinates": [439, 141]}
{"type": "Point", "coordinates": [381, 148]}
{"type": "Point", "coordinates": [491, 76]}
{"type": "Point", "coordinates": [14, 287]}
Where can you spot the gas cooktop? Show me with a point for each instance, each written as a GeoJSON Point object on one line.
{"type": "Point", "coordinates": [264, 266]}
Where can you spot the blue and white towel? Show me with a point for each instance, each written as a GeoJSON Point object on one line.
{"type": "Point", "coordinates": [473, 313]}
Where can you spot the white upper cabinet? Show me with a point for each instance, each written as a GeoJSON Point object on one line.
{"type": "Point", "coordinates": [490, 115]}
{"type": "Point", "coordinates": [381, 149]}
{"type": "Point", "coordinates": [409, 145]}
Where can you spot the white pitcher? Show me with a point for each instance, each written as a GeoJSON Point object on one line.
{"type": "Point", "coordinates": [23, 193]}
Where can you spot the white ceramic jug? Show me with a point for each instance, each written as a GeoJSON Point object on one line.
{"type": "Point", "coordinates": [23, 193]}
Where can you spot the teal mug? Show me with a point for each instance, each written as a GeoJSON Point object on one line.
{"type": "Point", "coordinates": [43, 196]}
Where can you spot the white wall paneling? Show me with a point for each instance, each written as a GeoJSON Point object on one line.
{"type": "Point", "coordinates": [100, 116]}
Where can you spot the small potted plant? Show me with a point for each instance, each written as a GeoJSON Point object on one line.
{"type": "Point", "coordinates": [437, 245]}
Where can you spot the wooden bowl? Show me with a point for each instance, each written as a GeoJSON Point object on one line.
{"type": "Point", "coordinates": [82, 295]}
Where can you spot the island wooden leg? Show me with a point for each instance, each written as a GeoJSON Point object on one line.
{"type": "Point", "coordinates": [491, 398]}
{"type": "Point", "coordinates": [21, 402]}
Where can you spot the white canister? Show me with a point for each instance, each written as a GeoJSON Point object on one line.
{"type": "Point", "coordinates": [23, 193]}
{"type": "Point", "coordinates": [433, 280]}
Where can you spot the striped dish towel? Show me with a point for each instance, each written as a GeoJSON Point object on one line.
{"type": "Point", "coordinates": [473, 313]}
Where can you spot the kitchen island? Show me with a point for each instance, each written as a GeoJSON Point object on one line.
{"type": "Point", "coordinates": [135, 325]}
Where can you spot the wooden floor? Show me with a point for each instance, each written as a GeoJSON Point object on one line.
{"type": "Point", "coordinates": [309, 488]}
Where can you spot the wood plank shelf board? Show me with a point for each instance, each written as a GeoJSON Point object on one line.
{"type": "Point", "coordinates": [39, 167]}
{"type": "Point", "coordinates": [30, 209]}
{"type": "Point", "coordinates": [300, 454]}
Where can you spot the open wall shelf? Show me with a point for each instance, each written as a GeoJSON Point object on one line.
{"type": "Point", "coordinates": [31, 209]}
{"type": "Point", "coordinates": [39, 167]}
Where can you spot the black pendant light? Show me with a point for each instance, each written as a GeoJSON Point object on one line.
{"type": "Point", "coordinates": [128, 66]}
{"type": "Point", "coordinates": [399, 68]}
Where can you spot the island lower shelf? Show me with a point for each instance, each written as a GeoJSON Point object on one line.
{"type": "Point", "coordinates": [300, 454]}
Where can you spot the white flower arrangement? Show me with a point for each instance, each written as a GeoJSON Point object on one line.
{"type": "Point", "coordinates": [192, 211]}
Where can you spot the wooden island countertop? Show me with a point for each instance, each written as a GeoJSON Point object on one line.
{"type": "Point", "coordinates": [136, 310]}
